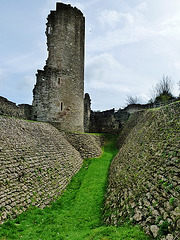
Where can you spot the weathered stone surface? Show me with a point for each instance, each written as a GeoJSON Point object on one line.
{"type": "Point", "coordinates": [178, 223]}
{"type": "Point", "coordinates": [149, 142]}
{"type": "Point", "coordinates": [8, 108]}
{"type": "Point", "coordinates": [36, 164]}
{"type": "Point", "coordinates": [87, 145]}
{"type": "Point", "coordinates": [87, 112]}
{"type": "Point", "coordinates": [169, 237]}
{"type": "Point", "coordinates": [59, 90]}
{"type": "Point", "coordinates": [105, 122]}
{"type": "Point", "coordinates": [138, 216]}
{"type": "Point", "coordinates": [154, 229]}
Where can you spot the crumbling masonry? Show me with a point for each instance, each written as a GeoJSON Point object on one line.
{"type": "Point", "coordinates": [59, 90]}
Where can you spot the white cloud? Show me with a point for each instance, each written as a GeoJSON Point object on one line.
{"type": "Point", "coordinates": [26, 83]}
{"type": "Point", "coordinates": [109, 18]}
{"type": "Point", "coordinates": [24, 62]}
{"type": "Point", "coordinates": [106, 72]}
{"type": "Point", "coordinates": [119, 37]}
{"type": "Point", "coordinates": [120, 28]}
{"type": "Point", "coordinates": [111, 76]}
{"type": "Point", "coordinates": [169, 27]}
{"type": "Point", "coordinates": [142, 7]}
{"type": "Point", "coordinates": [116, 19]}
{"type": "Point", "coordinates": [135, 25]}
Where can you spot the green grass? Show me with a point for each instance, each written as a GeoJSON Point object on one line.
{"type": "Point", "coordinates": [78, 213]}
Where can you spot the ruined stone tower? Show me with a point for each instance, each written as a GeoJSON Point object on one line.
{"type": "Point", "coordinates": [59, 90]}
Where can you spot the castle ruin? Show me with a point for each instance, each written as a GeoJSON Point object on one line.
{"type": "Point", "coordinates": [59, 90]}
{"type": "Point", "coordinates": [58, 96]}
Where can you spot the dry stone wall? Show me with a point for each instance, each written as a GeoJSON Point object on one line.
{"type": "Point", "coordinates": [144, 183]}
{"type": "Point", "coordinates": [131, 122]}
{"type": "Point", "coordinates": [36, 164]}
{"type": "Point", "coordinates": [89, 146]}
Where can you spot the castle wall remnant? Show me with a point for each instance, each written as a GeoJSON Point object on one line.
{"type": "Point", "coordinates": [105, 122]}
{"type": "Point", "coordinates": [59, 90]}
{"type": "Point", "coordinates": [8, 108]}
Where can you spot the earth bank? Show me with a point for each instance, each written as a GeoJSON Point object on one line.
{"type": "Point", "coordinates": [144, 180]}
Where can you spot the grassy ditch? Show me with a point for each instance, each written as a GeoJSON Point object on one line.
{"type": "Point", "coordinates": [78, 213]}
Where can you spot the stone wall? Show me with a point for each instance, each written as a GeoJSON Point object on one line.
{"type": "Point", "coordinates": [104, 122]}
{"type": "Point", "coordinates": [144, 183]}
{"type": "Point", "coordinates": [111, 121]}
{"type": "Point", "coordinates": [8, 108]}
{"type": "Point", "coordinates": [36, 164]}
{"type": "Point", "coordinates": [128, 125]}
{"type": "Point", "coordinates": [89, 146]}
{"type": "Point", "coordinates": [132, 108]}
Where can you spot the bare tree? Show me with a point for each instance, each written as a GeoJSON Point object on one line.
{"type": "Point", "coordinates": [132, 99]}
{"type": "Point", "coordinates": [165, 86]}
{"type": "Point", "coordinates": [163, 90]}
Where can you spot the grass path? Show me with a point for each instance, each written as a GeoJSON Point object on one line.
{"type": "Point", "coordinates": [77, 214]}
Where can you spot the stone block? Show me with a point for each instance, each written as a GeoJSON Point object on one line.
{"type": "Point", "coordinates": [154, 230]}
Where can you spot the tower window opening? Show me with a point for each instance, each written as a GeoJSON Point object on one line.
{"type": "Point", "coordinates": [61, 106]}
{"type": "Point", "coordinates": [59, 81]}
{"type": "Point", "coordinates": [49, 30]}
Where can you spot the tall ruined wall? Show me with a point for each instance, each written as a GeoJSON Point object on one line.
{"type": "Point", "coordinates": [36, 164]}
{"type": "Point", "coordinates": [59, 90]}
{"type": "Point", "coordinates": [144, 183]}
{"type": "Point", "coordinates": [87, 112]}
{"type": "Point", "coordinates": [8, 108]}
{"type": "Point", "coordinates": [104, 122]}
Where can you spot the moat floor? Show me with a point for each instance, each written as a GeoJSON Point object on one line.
{"type": "Point", "coordinates": [78, 213]}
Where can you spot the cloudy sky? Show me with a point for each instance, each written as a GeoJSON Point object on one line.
{"type": "Point", "coordinates": [130, 44]}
